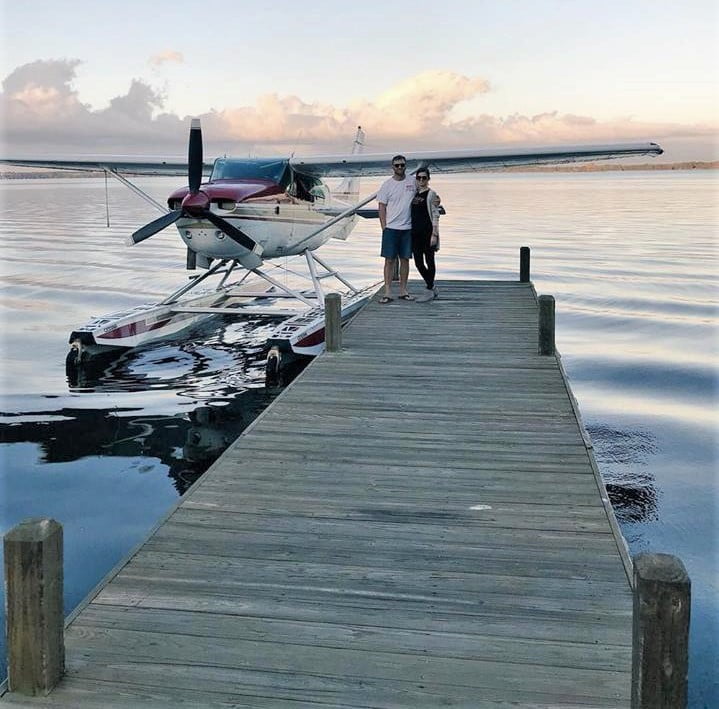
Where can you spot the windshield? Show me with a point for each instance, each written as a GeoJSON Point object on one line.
{"type": "Point", "coordinates": [273, 169]}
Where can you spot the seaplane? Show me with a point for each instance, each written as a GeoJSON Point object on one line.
{"type": "Point", "coordinates": [254, 210]}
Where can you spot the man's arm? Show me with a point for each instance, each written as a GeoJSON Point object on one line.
{"type": "Point", "coordinates": [382, 214]}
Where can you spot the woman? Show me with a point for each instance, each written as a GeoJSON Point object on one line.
{"type": "Point", "coordinates": [425, 230]}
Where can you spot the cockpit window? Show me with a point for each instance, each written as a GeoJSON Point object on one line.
{"type": "Point", "coordinates": [253, 168]}
{"type": "Point", "coordinates": [304, 187]}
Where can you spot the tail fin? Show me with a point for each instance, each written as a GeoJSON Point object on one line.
{"type": "Point", "coordinates": [348, 189]}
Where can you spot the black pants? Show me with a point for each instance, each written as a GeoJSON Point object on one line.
{"type": "Point", "coordinates": [424, 257]}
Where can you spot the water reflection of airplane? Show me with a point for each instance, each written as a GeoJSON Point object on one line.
{"type": "Point", "coordinates": [181, 403]}
{"type": "Point", "coordinates": [215, 359]}
{"type": "Point", "coordinates": [187, 444]}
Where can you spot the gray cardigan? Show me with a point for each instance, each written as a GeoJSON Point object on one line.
{"type": "Point", "coordinates": [432, 208]}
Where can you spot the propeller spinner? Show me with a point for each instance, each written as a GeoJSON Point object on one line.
{"type": "Point", "coordinates": [196, 204]}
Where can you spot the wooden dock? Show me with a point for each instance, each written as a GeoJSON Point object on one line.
{"type": "Point", "coordinates": [417, 521]}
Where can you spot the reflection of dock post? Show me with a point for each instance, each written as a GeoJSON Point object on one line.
{"type": "Point", "coordinates": [35, 624]}
{"type": "Point", "coordinates": [333, 322]}
{"type": "Point", "coordinates": [546, 325]}
{"type": "Point", "coordinates": [660, 636]}
{"type": "Point", "coordinates": [524, 264]}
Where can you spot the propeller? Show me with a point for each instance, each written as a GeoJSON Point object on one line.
{"type": "Point", "coordinates": [194, 157]}
{"type": "Point", "coordinates": [153, 227]}
{"type": "Point", "coordinates": [196, 204]}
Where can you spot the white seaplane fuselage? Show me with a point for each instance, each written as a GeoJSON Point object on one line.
{"type": "Point", "coordinates": [280, 226]}
{"type": "Point", "coordinates": [270, 202]}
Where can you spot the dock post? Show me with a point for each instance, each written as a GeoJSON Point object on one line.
{"type": "Point", "coordinates": [546, 325]}
{"type": "Point", "coordinates": [34, 588]}
{"type": "Point", "coordinates": [333, 322]}
{"type": "Point", "coordinates": [524, 264]}
{"type": "Point", "coordinates": [660, 632]}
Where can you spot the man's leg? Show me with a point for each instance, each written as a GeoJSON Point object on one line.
{"type": "Point", "coordinates": [403, 275]}
{"type": "Point", "coordinates": [388, 273]}
{"type": "Point", "coordinates": [405, 254]}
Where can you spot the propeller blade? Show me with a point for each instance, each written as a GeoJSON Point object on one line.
{"type": "Point", "coordinates": [194, 156]}
{"type": "Point", "coordinates": [153, 227]}
{"type": "Point", "coordinates": [233, 232]}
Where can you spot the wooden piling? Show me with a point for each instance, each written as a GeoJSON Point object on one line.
{"type": "Point", "coordinates": [546, 325]}
{"type": "Point", "coordinates": [524, 264]}
{"type": "Point", "coordinates": [333, 322]}
{"type": "Point", "coordinates": [34, 589]}
{"type": "Point", "coordinates": [660, 636]}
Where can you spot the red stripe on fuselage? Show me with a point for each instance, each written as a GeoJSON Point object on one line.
{"type": "Point", "coordinates": [234, 190]}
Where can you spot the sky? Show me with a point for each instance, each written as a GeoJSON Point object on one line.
{"type": "Point", "coordinates": [85, 77]}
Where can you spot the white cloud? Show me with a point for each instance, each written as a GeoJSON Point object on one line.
{"type": "Point", "coordinates": [167, 55]}
{"type": "Point", "coordinates": [43, 114]}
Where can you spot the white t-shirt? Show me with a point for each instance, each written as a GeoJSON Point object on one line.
{"type": "Point", "coordinates": [398, 195]}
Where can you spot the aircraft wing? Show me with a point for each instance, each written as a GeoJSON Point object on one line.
{"type": "Point", "coordinates": [471, 160]}
{"type": "Point", "coordinates": [111, 163]}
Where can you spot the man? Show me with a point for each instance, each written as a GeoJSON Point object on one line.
{"type": "Point", "coordinates": [395, 216]}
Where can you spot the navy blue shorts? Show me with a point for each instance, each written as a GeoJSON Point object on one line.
{"type": "Point", "coordinates": [396, 242]}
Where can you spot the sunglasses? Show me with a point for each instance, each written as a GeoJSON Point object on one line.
{"type": "Point", "coordinates": [399, 164]}
{"type": "Point", "coordinates": [423, 177]}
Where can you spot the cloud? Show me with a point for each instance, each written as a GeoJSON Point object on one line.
{"type": "Point", "coordinates": [167, 55]}
{"type": "Point", "coordinates": [40, 91]}
{"type": "Point", "coordinates": [44, 115]}
{"type": "Point", "coordinates": [411, 109]}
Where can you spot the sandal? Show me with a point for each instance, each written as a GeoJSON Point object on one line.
{"type": "Point", "coordinates": [406, 296]}
{"type": "Point", "coordinates": [384, 300]}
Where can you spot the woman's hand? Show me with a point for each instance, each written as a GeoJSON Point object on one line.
{"type": "Point", "coordinates": [434, 240]}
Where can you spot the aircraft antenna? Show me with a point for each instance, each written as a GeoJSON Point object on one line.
{"type": "Point", "coordinates": [358, 141]}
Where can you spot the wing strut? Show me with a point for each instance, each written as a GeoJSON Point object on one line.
{"type": "Point", "coordinates": [342, 215]}
{"type": "Point", "coordinates": [136, 190]}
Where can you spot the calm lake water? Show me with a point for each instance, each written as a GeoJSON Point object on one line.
{"type": "Point", "coordinates": [631, 259]}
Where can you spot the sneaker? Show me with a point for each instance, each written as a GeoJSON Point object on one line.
{"type": "Point", "coordinates": [435, 292]}
{"type": "Point", "coordinates": [425, 296]}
